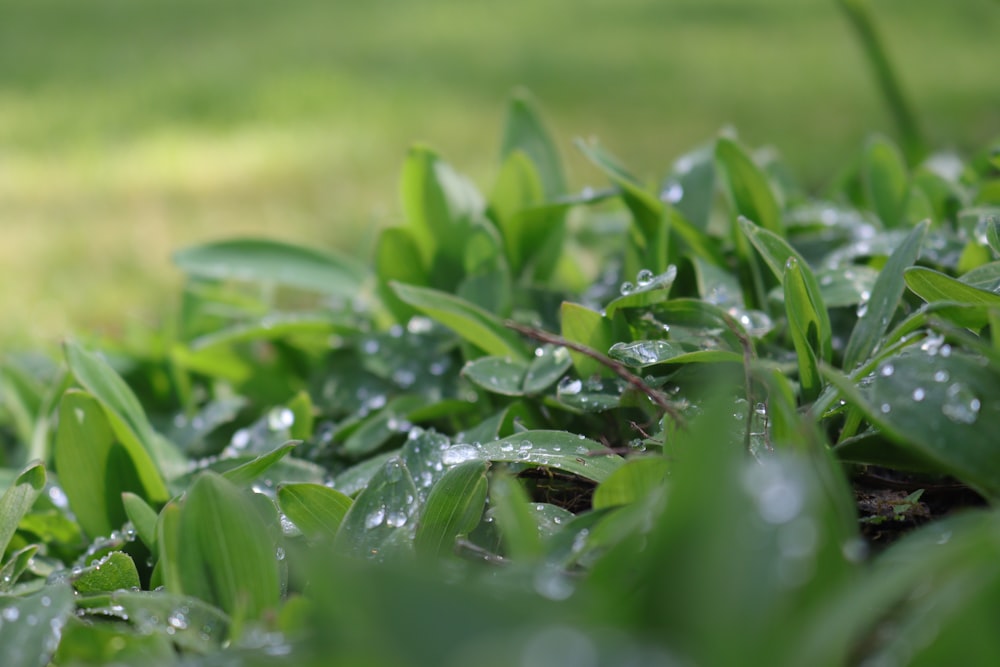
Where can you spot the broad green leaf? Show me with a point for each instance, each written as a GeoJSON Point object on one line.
{"type": "Point", "coordinates": [525, 131]}
{"type": "Point", "coordinates": [111, 573]}
{"type": "Point", "coordinates": [247, 472]}
{"type": "Point", "coordinates": [515, 518]}
{"type": "Point", "coordinates": [470, 322]}
{"type": "Point", "coordinates": [933, 286]}
{"type": "Point", "coordinates": [15, 566]}
{"type": "Point", "coordinates": [804, 324]}
{"type": "Point", "coordinates": [273, 262]}
{"type": "Point", "coordinates": [694, 173]}
{"type": "Point", "coordinates": [398, 259]}
{"type": "Point", "coordinates": [886, 182]}
{"type": "Point", "coordinates": [649, 289]}
{"type": "Point", "coordinates": [748, 185]}
{"type": "Point", "coordinates": [589, 328]}
{"type": "Point", "coordinates": [186, 621]}
{"type": "Point", "coordinates": [95, 467]}
{"type": "Point", "coordinates": [109, 642]}
{"type": "Point", "coordinates": [315, 509]}
{"type": "Point", "coordinates": [885, 296]}
{"type": "Point", "coordinates": [379, 525]}
{"type": "Point", "coordinates": [842, 287]}
{"type": "Point", "coordinates": [126, 417]}
{"type": "Point", "coordinates": [454, 507]}
{"type": "Point", "coordinates": [498, 375]}
{"type": "Point", "coordinates": [984, 277]}
{"type": "Point", "coordinates": [554, 449]}
{"type": "Point", "coordinates": [358, 476]}
{"type": "Point", "coordinates": [143, 518]}
{"type": "Point", "coordinates": [632, 482]}
{"type": "Point", "coordinates": [226, 556]}
{"type": "Point", "coordinates": [549, 364]}
{"type": "Point", "coordinates": [776, 253]}
{"type": "Point", "coordinates": [31, 625]}
{"type": "Point", "coordinates": [18, 499]}
{"type": "Point", "coordinates": [643, 353]}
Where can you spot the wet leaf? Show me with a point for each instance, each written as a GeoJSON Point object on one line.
{"type": "Point", "coordinates": [380, 523]}
{"type": "Point", "coordinates": [586, 327]}
{"type": "Point", "coordinates": [480, 328]}
{"type": "Point", "coordinates": [500, 375]}
{"type": "Point", "coordinates": [315, 509]}
{"type": "Point", "coordinates": [31, 626]}
{"type": "Point", "coordinates": [273, 262]}
{"type": "Point", "coordinates": [933, 286]}
{"type": "Point", "coordinates": [15, 566]}
{"type": "Point", "coordinates": [805, 326]}
{"type": "Point", "coordinates": [143, 518]}
{"type": "Point", "coordinates": [549, 364]}
{"type": "Point", "coordinates": [454, 507]}
{"type": "Point", "coordinates": [554, 449]}
{"type": "Point", "coordinates": [885, 296]}
{"type": "Point", "coordinates": [247, 472]}
{"type": "Point", "coordinates": [111, 573]}
{"type": "Point", "coordinates": [632, 482]}
{"type": "Point", "coordinates": [648, 290]}
{"type": "Point", "coordinates": [515, 518]}
{"type": "Point", "coordinates": [885, 180]}
{"type": "Point", "coordinates": [18, 499]}
{"type": "Point", "coordinates": [748, 186]}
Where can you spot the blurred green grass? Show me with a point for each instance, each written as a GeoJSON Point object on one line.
{"type": "Point", "coordinates": [130, 129]}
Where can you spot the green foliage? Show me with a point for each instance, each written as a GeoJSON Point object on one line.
{"type": "Point", "coordinates": [416, 469]}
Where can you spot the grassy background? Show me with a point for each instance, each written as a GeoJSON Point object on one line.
{"type": "Point", "coordinates": [130, 129]}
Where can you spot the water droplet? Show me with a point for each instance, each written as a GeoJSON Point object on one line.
{"type": "Point", "coordinates": [370, 346]}
{"type": "Point", "coordinates": [404, 377]}
{"type": "Point", "coordinates": [644, 277]}
{"type": "Point", "coordinates": [919, 394]}
{"type": "Point", "coordinates": [569, 386]}
{"type": "Point", "coordinates": [885, 408]}
{"type": "Point", "coordinates": [178, 620]}
{"type": "Point", "coordinates": [626, 289]}
{"type": "Point", "coordinates": [673, 194]}
{"type": "Point", "coordinates": [961, 405]}
{"type": "Point", "coordinates": [887, 370]}
{"type": "Point", "coordinates": [394, 469]}
{"type": "Point", "coordinates": [375, 519]}
{"type": "Point", "coordinates": [459, 454]}
{"type": "Point", "coordinates": [10, 613]}
{"type": "Point", "coordinates": [941, 376]}
{"type": "Point", "coordinates": [779, 496]}
{"type": "Point", "coordinates": [395, 519]}
{"type": "Point", "coordinates": [419, 324]}
{"type": "Point", "coordinates": [240, 439]}
{"type": "Point", "coordinates": [279, 553]}
{"type": "Point", "coordinates": [279, 419]}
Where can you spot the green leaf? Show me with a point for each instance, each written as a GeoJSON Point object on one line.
{"type": "Point", "coordinates": [549, 364]}
{"type": "Point", "coordinates": [111, 573]}
{"type": "Point", "coordinates": [632, 482]}
{"type": "Point", "coordinates": [273, 262]}
{"type": "Point", "coordinates": [589, 328]}
{"type": "Point", "coordinates": [18, 499]}
{"type": "Point", "coordinates": [748, 186]}
{"type": "Point", "coordinates": [499, 375]}
{"type": "Point", "coordinates": [15, 566]}
{"type": "Point", "coordinates": [470, 322]}
{"type": "Point", "coordinates": [776, 253]}
{"type": "Point", "coordinates": [188, 622]}
{"type": "Point", "coordinates": [643, 353]}
{"type": "Point", "coordinates": [398, 259]}
{"type": "Point", "coordinates": [95, 466]}
{"type": "Point", "coordinates": [315, 509]}
{"type": "Point", "coordinates": [649, 290]}
{"type": "Point", "coordinates": [804, 324]}
{"type": "Point", "coordinates": [524, 131]}
{"type": "Point", "coordinates": [379, 524]}
{"type": "Point", "coordinates": [933, 286]}
{"type": "Point", "coordinates": [126, 417]}
{"type": "Point", "coordinates": [454, 507]}
{"type": "Point", "coordinates": [885, 179]}
{"type": "Point", "coordinates": [885, 296]}
{"type": "Point", "coordinates": [31, 627]}
{"type": "Point", "coordinates": [143, 518]}
{"type": "Point", "coordinates": [226, 556]}
{"type": "Point", "coordinates": [515, 518]}
{"type": "Point", "coordinates": [554, 449]}
{"type": "Point", "coordinates": [247, 472]}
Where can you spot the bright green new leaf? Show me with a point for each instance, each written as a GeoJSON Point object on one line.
{"type": "Point", "coordinates": [470, 322]}
{"type": "Point", "coordinates": [143, 518]}
{"type": "Point", "coordinates": [226, 555]}
{"type": "Point", "coordinates": [18, 499]}
{"type": "Point", "coordinates": [95, 466]}
{"type": "Point", "coordinates": [315, 509]}
{"type": "Point", "coordinates": [273, 262]}
{"type": "Point", "coordinates": [776, 253]}
{"type": "Point", "coordinates": [632, 482]}
{"type": "Point", "coordinates": [748, 185]}
{"type": "Point", "coordinates": [454, 507]}
{"type": "Point", "coordinates": [933, 286]}
{"type": "Point", "coordinates": [885, 179]}
{"type": "Point", "coordinates": [113, 572]}
{"type": "Point", "coordinates": [525, 131]}
{"type": "Point", "coordinates": [247, 472]}
{"type": "Point", "coordinates": [804, 324]}
{"type": "Point", "coordinates": [589, 328]}
{"type": "Point", "coordinates": [126, 417]}
{"type": "Point", "coordinates": [885, 296]}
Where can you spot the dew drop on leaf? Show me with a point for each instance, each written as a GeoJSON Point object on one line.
{"type": "Point", "coordinates": [644, 277]}
{"type": "Point", "coordinates": [626, 288]}
{"type": "Point", "coordinates": [961, 405]}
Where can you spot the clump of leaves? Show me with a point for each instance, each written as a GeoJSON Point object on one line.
{"type": "Point", "coordinates": [542, 427]}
